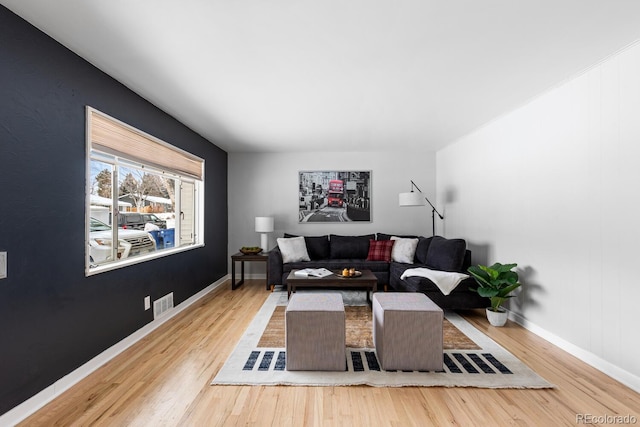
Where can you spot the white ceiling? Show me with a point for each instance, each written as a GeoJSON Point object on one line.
{"type": "Point", "coordinates": [337, 75]}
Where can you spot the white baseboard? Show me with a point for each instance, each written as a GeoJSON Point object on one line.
{"type": "Point", "coordinates": [33, 404]}
{"type": "Point", "coordinates": [615, 372]}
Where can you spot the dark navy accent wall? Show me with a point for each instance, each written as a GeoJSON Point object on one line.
{"type": "Point", "coordinates": [53, 318]}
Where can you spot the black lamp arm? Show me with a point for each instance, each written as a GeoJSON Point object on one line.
{"type": "Point", "coordinates": [413, 184]}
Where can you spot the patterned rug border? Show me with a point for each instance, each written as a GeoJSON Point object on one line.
{"type": "Point", "coordinates": [490, 367]}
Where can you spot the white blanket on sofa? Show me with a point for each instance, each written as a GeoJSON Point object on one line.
{"type": "Point", "coordinates": [446, 281]}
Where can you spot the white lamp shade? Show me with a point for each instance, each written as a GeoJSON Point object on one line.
{"type": "Point", "coordinates": [412, 198]}
{"type": "Point", "coordinates": [264, 224]}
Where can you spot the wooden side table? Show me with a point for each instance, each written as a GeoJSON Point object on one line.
{"type": "Point", "coordinates": [242, 258]}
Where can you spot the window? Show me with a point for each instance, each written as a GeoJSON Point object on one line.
{"type": "Point", "coordinates": [143, 193]}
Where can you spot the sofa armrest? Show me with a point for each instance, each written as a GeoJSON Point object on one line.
{"type": "Point", "coordinates": [275, 267]}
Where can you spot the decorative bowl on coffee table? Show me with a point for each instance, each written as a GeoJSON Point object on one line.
{"type": "Point", "coordinates": [355, 274]}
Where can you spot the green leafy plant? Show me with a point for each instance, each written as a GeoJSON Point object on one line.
{"type": "Point", "coordinates": [496, 282]}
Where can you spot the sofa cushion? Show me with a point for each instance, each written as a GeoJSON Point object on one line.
{"type": "Point", "coordinates": [446, 254]}
{"type": "Point", "coordinates": [349, 246]}
{"type": "Point", "coordinates": [317, 246]}
{"type": "Point", "coordinates": [422, 249]}
{"type": "Point", "coordinates": [380, 250]}
{"type": "Point", "coordinates": [293, 249]}
{"type": "Point", "coordinates": [404, 249]}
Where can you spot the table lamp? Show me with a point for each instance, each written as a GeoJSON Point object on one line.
{"type": "Point", "coordinates": [264, 225]}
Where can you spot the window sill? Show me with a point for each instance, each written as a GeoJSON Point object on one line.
{"type": "Point", "coordinates": [139, 259]}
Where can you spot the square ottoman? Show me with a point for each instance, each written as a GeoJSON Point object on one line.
{"type": "Point", "coordinates": [315, 332]}
{"type": "Point", "coordinates": [407, 331]}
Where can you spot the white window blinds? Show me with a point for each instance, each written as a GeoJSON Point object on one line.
{"type": "Point", "coordinates": [114, 137]}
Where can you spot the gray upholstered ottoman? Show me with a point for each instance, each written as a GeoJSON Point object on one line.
{"type": "Point", "coordinates": [315, 332]}
{"type": "Point", "coordinates": [407, 331]}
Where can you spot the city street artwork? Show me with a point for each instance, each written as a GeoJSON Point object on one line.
{"type": "Point", "coordinates": [334, 196]}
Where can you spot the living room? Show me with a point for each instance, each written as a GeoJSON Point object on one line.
{"type": "Point", "coordinates": [545, 185]}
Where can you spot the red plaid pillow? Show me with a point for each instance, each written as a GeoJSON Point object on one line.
{"type": "Point", "coordinates": [380, 250]}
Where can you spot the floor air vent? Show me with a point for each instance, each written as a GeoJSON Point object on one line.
{"type": "Point", "coordinates": [162, 305]}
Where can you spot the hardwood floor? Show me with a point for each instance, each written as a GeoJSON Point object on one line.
{"type": "Point", "coordinates": [164, 379]}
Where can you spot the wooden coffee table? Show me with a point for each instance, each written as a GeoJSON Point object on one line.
{"type": "Point", "coordinates": [367, 280]}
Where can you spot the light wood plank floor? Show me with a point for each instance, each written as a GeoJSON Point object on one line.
{"type": "Point", "coordinates": [164, 381]}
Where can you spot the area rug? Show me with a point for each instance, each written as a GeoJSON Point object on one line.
{"type": "Point", "coordinates": [471, 358]}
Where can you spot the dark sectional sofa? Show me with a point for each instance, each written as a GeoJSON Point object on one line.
{"type": "Point", "coordinates": [337, 252]}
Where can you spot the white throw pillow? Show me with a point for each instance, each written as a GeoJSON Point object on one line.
{"type": "Point", "coordinates": [293, 249]}
{"type": "Point", "coordinates": [403, 249]}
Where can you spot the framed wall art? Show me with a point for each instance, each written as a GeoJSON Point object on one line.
{"type": "Point", "coordinates": [334, 196]}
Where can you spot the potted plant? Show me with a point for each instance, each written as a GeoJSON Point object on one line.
{"type": "Point", "coordinates": [496, 283]}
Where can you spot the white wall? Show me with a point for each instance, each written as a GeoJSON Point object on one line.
{"type": "Point", "coordinates": [266, 184]}
{"type": "Point", "coordinates": [554, 186]}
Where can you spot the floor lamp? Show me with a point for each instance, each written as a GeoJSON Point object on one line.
{"type": "Point", "coordinates": [264, 225]}
{"type": "Point", "coordinates": [413, 198]}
